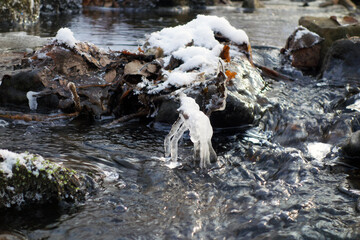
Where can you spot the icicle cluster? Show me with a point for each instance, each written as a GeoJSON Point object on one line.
{"type": "Point", "coordinates": [194, 120]}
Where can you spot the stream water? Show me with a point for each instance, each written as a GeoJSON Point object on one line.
{"type": "Point", "coordinates": [280, 179]}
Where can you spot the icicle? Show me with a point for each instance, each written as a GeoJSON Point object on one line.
{"type": "Point", "coordinates": [31, 96]}
{"type": "Point", "coordinates": [194, 120]}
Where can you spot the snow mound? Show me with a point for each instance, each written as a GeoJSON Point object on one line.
{"type": "Point", "coordinates": [66, 36]}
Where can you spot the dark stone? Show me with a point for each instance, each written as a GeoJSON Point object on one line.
{"type": "Point", "coordinates": [342, 61]}
{"type": "Point", "coordinates": [352, 146]}
{"type": "Point", "coordinates": [14, 88]}
{"type": "Point", "coordinates": [252, 4]}
{"type": "Point", "coordinates": [235, 114]}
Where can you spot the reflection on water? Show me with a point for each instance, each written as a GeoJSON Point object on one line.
{"type": "Point", "coordinates": [120, 29]}
{"type": "Point", "coordinates": [271, 184]}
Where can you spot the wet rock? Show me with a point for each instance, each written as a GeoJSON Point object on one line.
{"type": "Point", "coordinates": [352, 147]}
{"type": "Point", "coordinates": [27, 179]}
{"type": "Point", "coordinates": [243, 93]}
{"type": "Point", "coordinates": [252, 4]}
{"type": "Point", "coordinates": [330, 30]}
{"type": "Point", "coordinates": [19, 11]}
{"type": "Point", "coordinates": [303, 48]}
{"type": "Point", "coordinates": [342, 61]}
{"type": "Point", "coordinates": [60, 6]}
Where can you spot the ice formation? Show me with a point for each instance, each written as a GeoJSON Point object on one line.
{"type": "Point", "coordinates": [66, 36]}
{"type": "Point", "coordinates": [199, 126]}
{"type": "Point", "coordinates": [31, 96]}
{"type": "Point", "coordinates": [196, 46]}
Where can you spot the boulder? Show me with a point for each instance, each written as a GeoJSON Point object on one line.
{"type": "Point", "coordinates": [27, 179]}
{"type": "Point", "coordinates": [342, 61]}
{"type": "Point", "coordinates": [252, 4]}
{"type": "Point", "coordinates": [330, 29]}
{"type": "Point", "coordinates": [13, 12]}
{"type": "Point", "coordinates": [303, 48]}
{"type": "Point", "coordinates": [60, 6]}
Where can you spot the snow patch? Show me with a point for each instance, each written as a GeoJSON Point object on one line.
{"type": "Point", "coordinates": [66, 36]}
{"type": "Point", "coordinates": [33, 163]}
{"type": "Point", "coordinates": [200, 31]}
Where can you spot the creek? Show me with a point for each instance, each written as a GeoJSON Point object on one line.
{"type": "Point", "coordinates": [279, 179]}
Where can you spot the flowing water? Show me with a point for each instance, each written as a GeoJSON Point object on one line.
{"type": "Point", "coordinates": [280, 179]}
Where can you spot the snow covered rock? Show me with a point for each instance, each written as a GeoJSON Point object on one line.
{"type": "Point", "coordinates": [197, 53]}
{"type": "Point", "coordinates": [27, 179]}
{"type": "Point", "coordinates": [303, 48]}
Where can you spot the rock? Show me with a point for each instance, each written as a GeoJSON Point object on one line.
{"type": "Point", "coordinates": [252, 4]}
{"type": "Point", "coordinates": [20, 41]}
{"type": "Point", "coordinates": [241, 106]}
{"type": "Point", "coordinates": [60, 6]}
{"type": "Point", "coordinates": [330, 30]}
{"type": "Point", "coordinates": [80, 79]}
{"type": "Point", "coordinates": [352, 147]}
{"type": "Point", "coordinates": [243, 92]}
{"type": "Point", "coordinates": [303, 48]}
{"type": "Point", "coordinates": [27, 179]}
{"type": "Point", "coordinates": [342, 62]}
{"type": "Point", "coordinates": [15, 12]}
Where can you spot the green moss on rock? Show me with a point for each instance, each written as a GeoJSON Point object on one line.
{"type": "Point", "coordinates": [34, 180]}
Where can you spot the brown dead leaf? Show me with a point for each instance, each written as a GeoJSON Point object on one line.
{"type": "Point", "coordinates": [225, 53]}
{"type": "Point", "coordinates": [110, 76]}
{"type": "Point", "coordinates": [230, 75]}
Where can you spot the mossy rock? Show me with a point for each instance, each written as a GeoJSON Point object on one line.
{"type": "Point", "coordinates": [19, 11]}
{"type": "Point", "coordinates": [27, 179]}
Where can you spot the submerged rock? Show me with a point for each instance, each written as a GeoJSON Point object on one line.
{"type": "Point", "coordinates": [27, 179]}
